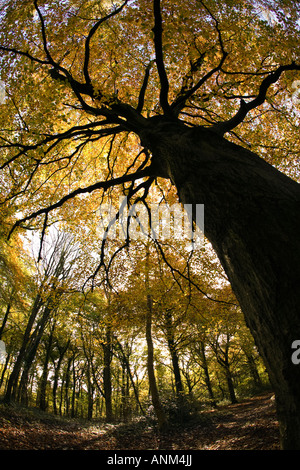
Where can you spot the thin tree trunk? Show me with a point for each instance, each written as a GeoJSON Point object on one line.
{"type": "Point", "coordinates": [5, 366]}
{"type": "Point", "coordinates": [160, 414]}
{"type": "Point", "coordinates": [62, 351]}
{"type": "Point", "coordinates": [176, 368]}
{"type": "Point", "coordinates": [90, 391]}
{"type": "Point", "coordinates": [125, 359]}
{"type": "Point", "coordinates": [73, 389]}
{"type": "Point", "coordinates": [31, 350]}
{"type": "Point", "coordinates": [204, 365]}
{"type": "Point", "coordinates": [11, 390]}
{"type": "Point", "coordinates": [230, 385]}
{"type": "Point", "coordinates": [44, 378]}
{"type": "Point", "coordinates": [253, 370]}
{"type": "Point", "coordinates": [107, 385]}
{"type": "Point", "coordinates": [8, 308]}
{"type": "Point", "coordinates": [124, 396]}
{"type": "Point", "coordinates": [222, 357]}
{"type": "Point", "coordinates": [161, 418]}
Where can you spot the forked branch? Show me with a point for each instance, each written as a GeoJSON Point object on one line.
{"type": "Point", "coordinates": [185, 94]}
{"type": "Point", "coordinates": [89, 37]}
{"type": "Point", "coordinates": [245, 108]}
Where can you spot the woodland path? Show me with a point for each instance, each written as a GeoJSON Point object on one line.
{"type": "Point", "coordinates": [249, 425]}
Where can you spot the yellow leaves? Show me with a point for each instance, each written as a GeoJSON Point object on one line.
{"type": "Point", "coordinates": [120, 51]}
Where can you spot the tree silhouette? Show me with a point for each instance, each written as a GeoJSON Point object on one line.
{"type": "Point", "coordinates": [191, 83]}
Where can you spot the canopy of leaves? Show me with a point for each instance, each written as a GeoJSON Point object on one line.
{"type": "Point", "coordinates": [82, 79]}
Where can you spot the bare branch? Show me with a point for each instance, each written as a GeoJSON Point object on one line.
{"type": "Point", "coordinates": [26, 54]}
{"type": "Point", "coordinates": [89, 189]}
{"type": "Point", "coordinates": [159, 59]}
{"type": "Point", "coordinates": [48, 55]}
{"type": "Point", "coordinates": [132, 191]}
{"type": "Point", "coordinates": [245, 108]}
{"type": "Point", "coordinates": [76, 131]}
{"type": "Point", "coordinates": [90, 36]}
{"type": "Point", "coordinates": [144, 88]}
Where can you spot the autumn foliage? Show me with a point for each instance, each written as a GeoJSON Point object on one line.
{"type": "Point", "coordinates": [99, 323]}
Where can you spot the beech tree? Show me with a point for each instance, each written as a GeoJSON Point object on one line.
{"type": "Point", "coordinates": [201, 94]}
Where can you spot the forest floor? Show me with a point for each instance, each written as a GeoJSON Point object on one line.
{"type": "Point", "coordinates": [248, 425]}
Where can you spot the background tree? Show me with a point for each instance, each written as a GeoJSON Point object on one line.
{"type": "Point", "coordinates": [55, 270]}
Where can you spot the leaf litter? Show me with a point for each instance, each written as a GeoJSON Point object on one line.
{"type": "Point", "coordinates": [249, 425]}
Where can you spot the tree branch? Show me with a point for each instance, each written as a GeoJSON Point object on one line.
{"type": "Point", "coordinates": [26, 54]}
{"type": "Point", "coordinates": [132, 191]}
{"type": "Point", "coordinates": [146, 172]}
{"type": "Point", "coordinates": [179, 103]}
{"type": "Point", "coordinates": [76, 131]}
{"type": "Point", "coordinates": [90, 36]}
{"type": "Point", "coordinates": [183, 96]}
{"type": "Point", "coordinates": [48, 55]}
{"type": "Point", "coordinates": [64, 76]}
{"type": "Point", "coordinates": [245, 108]}
{"type": "Point", "coordinates": [164, 82]}
{"type": "Point", "coordinates": [142, 94]}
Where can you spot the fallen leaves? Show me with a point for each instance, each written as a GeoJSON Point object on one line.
{"type": "Point", "coordinates": [250, 425]}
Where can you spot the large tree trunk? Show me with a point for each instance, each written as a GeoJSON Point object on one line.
{"type": "Point", "coordinates": [252, 221]}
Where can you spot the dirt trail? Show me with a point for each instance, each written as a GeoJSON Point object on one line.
{"type": "Point", "coordinates": [250, 425]}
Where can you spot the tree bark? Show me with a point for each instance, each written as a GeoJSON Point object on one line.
{"type": "Point", "coordinates": [252, 221]}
